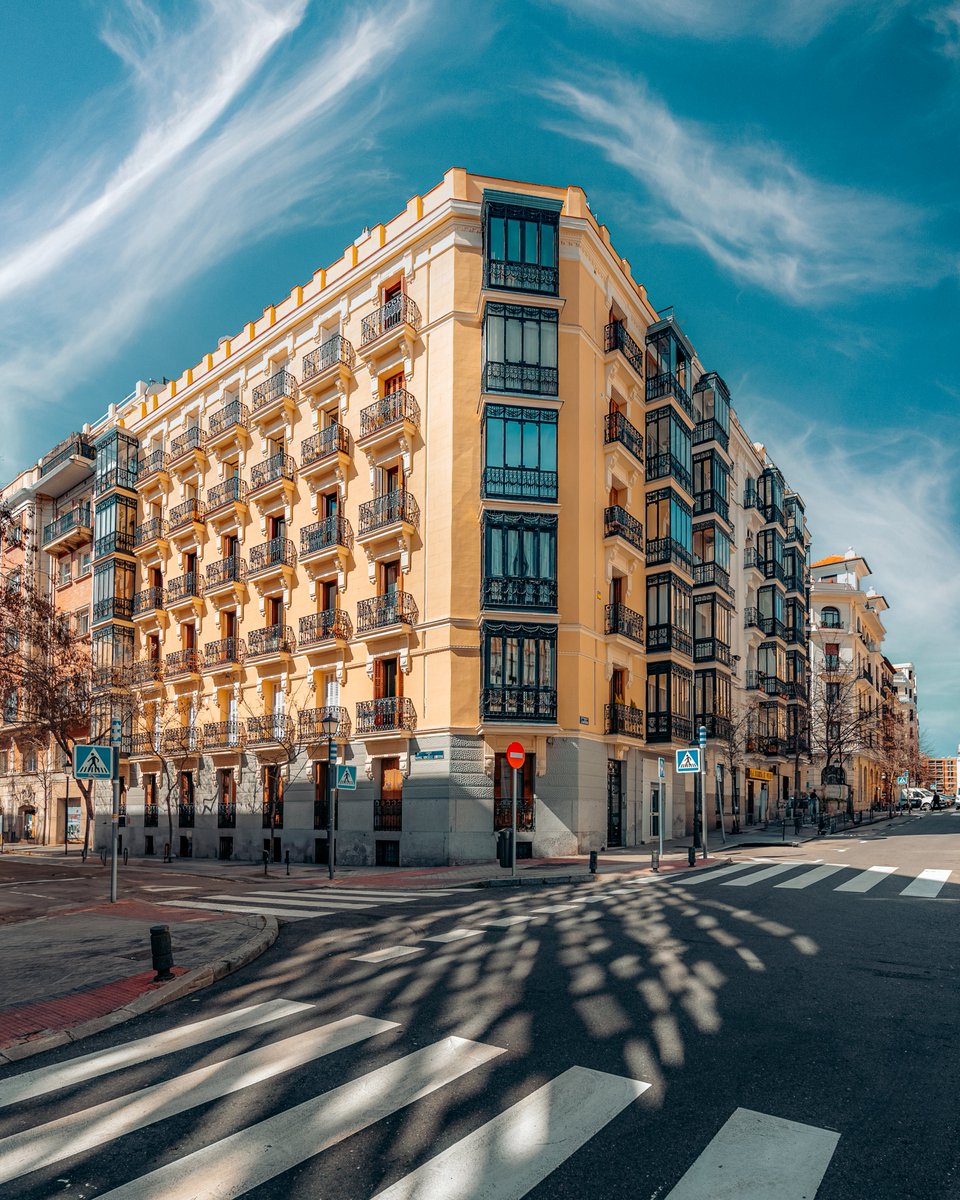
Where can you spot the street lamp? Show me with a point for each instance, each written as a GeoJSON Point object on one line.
{"type": "Point", "coordinates": [328, 723]}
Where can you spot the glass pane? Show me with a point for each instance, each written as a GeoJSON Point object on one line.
{"type": "Point", "coordinates": [513, 240]}
{"type": "Point", "coordinates": [531, 445]}
{"type": "Point", "coordinates": [513, 344]}
{"type": "Point", "coordinates": [548, 447]}
{"type": "Point", "coordinates": [530, 662]}
{"type": "Point", "coordinates": [531, 342]}
{"type": "Point", "coordinates": [529, 561]}
{"type": "Point", "coordinates": [495, 337]}
{"type": "Point", "coordinates": [495, 447]}
{"type": "Point", "coordinates": [548, 237]}
{"type": "Point", "coordinates": [530, 241]}
{"type": "Point", "coordinates": [512, 664]}
{"type": "Point", "coordinates": [497, 237]}
{"type": "Point", "coordinates": [495, 667]}
{"type": "Point", "coordinates": [548, 344]}
{"type": "Point", "coordinates": [511, 451]}
{"type": "Point", "coordinates": [513, 553]}
{"type": "Point", "coordinates": [494, 552]}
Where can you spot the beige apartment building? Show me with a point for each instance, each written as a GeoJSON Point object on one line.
{"type": "Point", "coordinates": [463, 487]}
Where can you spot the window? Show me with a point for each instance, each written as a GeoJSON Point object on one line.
{"type": "Point", "coordinates": [503, 793]}
{"type": "Point", "coordinates": [772, 661]}
{"type": "Point", "coordinates": [711, 694]}
{"type": "Point", "coordinates": [669, 608]}
{"type": "Point", "coordinates": [830, 618]}
{"type": "Point", "coordinates": [63, 571]}
{"type": "Point", "coordinates": [711, 544]}
{"type": "Point", "coordinates": [711, 402]}
{"type": "Point", "coordinates": [831, 656]}
{"type": "Point", "coordinates": [519, 671]}
{"type": "Point", "coordinates": [114, 523]}
{"type": "Point", "coordinates": [388, 807]}
{"type": "Point", "coordinates": [30, 762]}
{"type": "Point", "coordinates": [832, 693]}
{"type": "Point", "coordinates": [272, 797]}
{"type": "Point", "coordinates": [83, 563]}
{"type": "Point", "coordinates": [669, 529]}
{"type": "Point", "coordinates": [113, 584]}
{"type": "Point", "coordinates": [669, 447]}
{"type": "Point", "coordinates": [668, 701]}
{"type": "Point", "coordinates": [151, 813]}
{"type": "Point", "coordinates": [4, 762]}
{"type": "Point", "coordinates": [226, 798]}
{"type": "Point", "coordinates": [520, 447]}
{"type": "Point", "coordinates": [185, 805]}
{"type": "Point", "coordinates": [321, 797]}
{"type": "Point", "coordinates": [11, 706]}
{"type": "Point", "coordinates": [711, 477]}
{"type": "Point", "coordinates": [520, 560]}
{"type": "Point", "coordinates": [520, 349]}
{"type": "Point", "coordinates": [81, 622]}
{"type": "Point", "coordinates": [520, 243]}
{"type": "Point", "coordinates": [770, 603]}
{"type": "Point", "coordinates": [712, 619]}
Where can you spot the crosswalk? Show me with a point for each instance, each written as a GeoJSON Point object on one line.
{"type": "Point", "coordinates": [838, 877]}
{"type": "Point", "coordinates": [305, 904]}
{"type": "Point", "coordinates": [503, 1157]}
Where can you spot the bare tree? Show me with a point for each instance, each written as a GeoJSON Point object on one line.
{"type": "Point", "coordinates": [165, 728]}
{"type": "Point", "coordinates": [733, 737]}
{"type": "Point", "coordinates": [839, 726]}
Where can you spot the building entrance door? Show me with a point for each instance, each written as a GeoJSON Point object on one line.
{"type": "Point", "coordinates": [614, 802]}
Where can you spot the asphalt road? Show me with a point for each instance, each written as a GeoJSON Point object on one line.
{"type": "Point", "coordinates": [829, 1015]}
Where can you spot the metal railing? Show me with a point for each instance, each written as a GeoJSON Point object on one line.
{"type": "Point", "coordinates": [186, 815]}
{"type": "Point", "coordinates": [182, 662]}
{"type": "Point", "coordinates": [521, 378]}
{"type": "Point", "coordinates": [669, 637]}
{"type": "Point", "coordinates": [526, 813]}
{"type": "Point", "coordinates": [332, 531]}
{"type": "Point", "coordinates": [707, 574]}
{"type": "Point", "coordinates": [276, 467]}
{"type": "Point", "coordinates": [152, 530]}
{"type": "Point", "coordinates": [332, 440]}
{"type": "Point", "coordinates": [666, 384]}
{"type": "Point", "coordinates": [120, 607]}
{"type": "Point", "coordinates": [711, 501]}
{"type": "Point", "coordinates": [387, 816]}
{"type": "Point", "coordinates": [389, 410]}
{"type": "Point", "coordinates": [665, 465]}
{"type": "Point", "coordinates": [619, 619]}
{"type": "Point", "coordinates": [148, 600]}
{"type": "Point", "coordinates": [387, 510]}
{"type": "Point", "coordinates": [272, 639]}
{"type": "Point", "coordinates": [226, 814]}
{"type": "Point", "coordinates": [518, 703]}
{"type": "Point", "coordinates": [227, 570]}
{"type": "Point", "coordinates": [185, 740]}
{"type": "Point", "coordinates": [520, 276]}
{"type": "Point", "coordinates": [519, 483]}
{"type": "Point", "coordinates": [74, 446]}
{"type": "Point", "coordinates": [617, 522]}
{"type": "Point", "coordinates": [323, 626]}
{"type": "Point", "coordinates": [184, 587]}
{"type": "Point", "coordinates": [186, 513]}
{"type": "Point", "coordinates": [385, 714]}
{"type": "Point", "coordinates": [616, 428]}
{"type": "Point", "coordinates": [117, 542]}
{"type": "Point", "coordinates": [76, 518]}
{"type": "Point", "coordinates": [707, 649]}
{"type": "Point", "coordinates": [311, 724]}
{"type": "Point", "coordinates": [623, 718]}
{"type": "Point", "coordinates": [229, 417]}
{"type": "Point", "coordinates": [710, 430]}
{"type": "Point", "coordinates": [185, 443]}
{"type": "Point", "coordinates": [151, 816]}
{"type": "Point", "coordinates": [146, 670]}
{"type": "Point", "coordinates": [228, 651]}
{"type": "Point", "coordinates": [615, 337]}
{"type": "Point", "coordinates": [231, 491]}
{"type": "Point", "coordinates": [398, 310]}
{"type": "Point", "coordinates": [512, 592]}
{"type": "Point", "coordinates": [272, 727]}
{"type": "Point", "coordinates": [668, 727]}
{"type": "Point", "coordinates": [278, 552]}
{"type": "Point", "coordinates": [280, 386]}
{"type": "Point", "coordinates": [379, 612]}
{"type": "Point", "coordinates": [151, 464]}
{"type": "Point", "coordinates": [772, 569]}
{"type": "Point", "coordinates": [716, 727]}
{"type": "Point", "coordinates": [669, 550]}
{"type": "Point", "coordinates": [335, 351]}
{"type": "Point", "coordinates": [223, 735]}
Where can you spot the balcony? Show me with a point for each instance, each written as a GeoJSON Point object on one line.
{"type": "Point", "coordinates": [148, 604]}
{"type": "Point", "coordinates": [323, 628]}
{"type": "Point", "coordinates": [116, 477]}
{"type": "Point", "coordinates": [143, 745]}
{"type": "Point", "coordinates": [118, 608]}
{"type": "Point", "coordinates": [322, 453]}
{"type": "Point", "coordinates": [772, 569]}
{"type": "Point", "coordinates": [711, 574]}
{"type": "Point", "coordinates": [186, 815]}
{"type": "Point", "coordinates": [311, 725]}
{"type": "Point", "coordinates": [228, 427]}
{"type": "Point", "coordinates": [618, 431]}
{"type": "Point", "coordinates": [394, 418]}
{"type": "Point", "coordinates": [273, 478]}
{"type": "Point", "coordinates": [711, 650]}
{"type": "Point", "coordinates": [668, 727]}
{"type": "Point", "coordinates": [711, 431]}
{"type": "Point", "coordinates": [668, 550]}
{"type": "Point", "coordinates": [332, 361]}
{"type": "Point", "coordinates": [772, 514]}
{"type": "Point", "coordinates": [70, 530]}
{"type": "Point", "coordinates": [146, 673]}
{"type": "Point", "coordinates": [795, 583]}
{"type": "Point", "coordinates": [720, 728]}
{"type": "Point", "coordinates": [274, 399]}
{"type": "Point", "coordinates": [796, 636]}
{"type": "Point", "coordinates": [394, 514]}
{"type": "Point", "coordinates": [519, 704]}
{"type": "Point", "coordinates": [273, 561]}
{"type": "Point", "coordinates": [227, 579]}
{"type": "Point", "coordinates": [391, 714]}
{"type": "Point", "coordinates": [224, 655]}
{"type": "Point", "coordinates": [666, 386]}
{"type": "Point", "coordinates": [150, 538]}
{"type": "Point", "coordinates": [223, 735]}
{"type": "Point", "coordinates": [518, 593]}
{"type": "Point", "coordinates": [273, 729]}
{"type": "Point", "coordinates": [623, 719]}
{"type": "Point", "coordinates": [661, 638]}
{"type": "Point", "coordinates": [383, 613]}
{"type": "Point", "coordinates": [617, 522]}
{"type": "Point", "coordinates": [512, 276]}
{"type": "Point", "coordinates": [182, 742]}
{"type": "Point", "coordinates": [388, 816]}
{"type": "Point", "coordinates": [396, 321]}
{"type": "Point", "coordinates": [520, 379]}
{"type": "Point", "coordinates": [711, 501]}
{"type": "Point", "coordinates": [187, 452]}
{"type": "Point", "coordinates": [770, 685]}
{"type": "Point", "coordinates": [667, 466]}
{"type": "Point", "coordinates": [67, 465]}
{"type": "Point", "coordinates": [772, 627]}
{"type": "Point", "coordinates": [181, 663]}
{"type": "Point", "coordinates": [519, 483]}
{"type": "Point", "coordinates": [327, 539]}
{"type": "Point", "coordinates": [187, 524]}
{"type": "Point", "coordinates": [186, 591]}
{"type": "Point", "coordinates": [623, 622]}
{"type": "Point", "coordinates": [752, 560]}
{"type": "Point", "coordinates": [615, 337]}
{"type": "Point", "coordinates": [226, 810]}
{"type": "Point", "coordinates": [152, 473]}
{"type": "Point", "coordinates": [227, 503]}
{"type": "Point", "coordinates": [271, 643]}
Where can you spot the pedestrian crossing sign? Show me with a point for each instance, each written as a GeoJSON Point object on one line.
{"type": "Point", "coordinates": [93, 762]}
{"type": "Point", "coordinates": [346, 778]}
{"type": "Point", "coordinates": [688, 761]}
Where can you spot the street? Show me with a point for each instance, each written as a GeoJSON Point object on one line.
{"type": "Point", "coordinates": [783, 1026]}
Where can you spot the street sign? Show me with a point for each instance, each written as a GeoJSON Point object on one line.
{"type": "Point", "coordinates": [703, 737]}
{"type": "Point", "coordinates": [346, 778]}
{"type": "Point", "coordinates": [93, 762]}
{"type": "Point", "coordinates": [332, 753]}
{"type": "Point", "coordinates": [688, 761]}
{"type": "Point", "coordinates": [515, 755]}
{"type": "Point", "coordinates": [902, 780]}
{"type": "Point", "coordinates": [116, 731]}
{"type": "Point", "coordinates": [659, 768]}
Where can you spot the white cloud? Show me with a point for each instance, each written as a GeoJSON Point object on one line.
{"type": "Point", "coordinates": [214, 143]}
{"type": "Point", "coordinates": [945, 20]}
{"type": "Point", "coordinates": [757, 215]}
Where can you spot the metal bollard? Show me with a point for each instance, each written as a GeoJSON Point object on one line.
{"type": "Point", "coordinates": [655, 860]}
{"type": "Point", "coordinates": [691, 856]}
{"type": "Point", "coordinates": [266, 859]}
{"type": "Point", "coordinates": [162, 950]}
{"type": "Point", "coordinates": [286, 858]}
{"type": "Point", "coordinates": [593, 862]}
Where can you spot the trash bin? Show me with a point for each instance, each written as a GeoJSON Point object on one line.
{"type": "Point", "coordinates": [503, 848]}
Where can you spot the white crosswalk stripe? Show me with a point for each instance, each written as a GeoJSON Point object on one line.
{"type": "Point", "coordinates": [865, 880]}
{"type": "Point", "coordinates": [927, 883]}
{"type": "Point", "coordinates": [808, 878]}
{"type": "Point", "coordinates": [306, 904]}
{"type": "Point", "coordinates": [759, 876]}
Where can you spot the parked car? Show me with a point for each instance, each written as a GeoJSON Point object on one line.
{"type": "Point", "coordinates": [931, 801]}
{"type": "Point", "coordinates": [914, 796]}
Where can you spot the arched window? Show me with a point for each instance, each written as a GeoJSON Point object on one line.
{"type": "Point", "coordinates": [830, 618]}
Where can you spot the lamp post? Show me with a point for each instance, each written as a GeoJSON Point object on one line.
{"type": "Point", "coordinates": [328, 723]}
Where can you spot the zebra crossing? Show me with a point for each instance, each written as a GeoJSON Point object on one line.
{"type": "Point", "coordinates": [501, 1158]}
{"type": "Point", "coordinates": [928, 885]}
{"type": "Point", "coordinates": [306, 903]}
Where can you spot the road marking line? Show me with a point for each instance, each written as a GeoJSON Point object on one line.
{"type": "Point", "coordinates": [294, 899]}
{"type": "Point", "coordinates": [510, 1155]}
{"type": "Point", "coordinates": [809, 877]}
{"type": "Point", "coordinates": [759, 876]}
{"type": "Point", "coordinates": [174, 887]}
{"type": "Point", "coordinates": [92, 1066]}
{"type": "Point", "coordinates": [503, 922]}
{"type": "Point", "coordinates": [378, 956]}
{"type": "Point", "coordinates": [756, 1156]}
{"type": "Point", "coordinates": [361, 893]}
{"type": "Point", "coordinates": [244, 1160]}
{"type": "Point", "coordinates": [865, 880]}
{"type": "Point", "coordinates": [710, 873]}
{"type": "Point", "coordinates": [102, 1123]}
{"type": "Point", "coordinates": [291, 914]}
{"type": "Point", "coordinates": [927, 883]}
{"type": "Point", "coordinates": [555, 908]}
{"type": "Point", "coordinates": [454, 935]}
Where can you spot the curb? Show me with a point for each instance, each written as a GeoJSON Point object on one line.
{"type": "Point", "coordinates": [266, 930]}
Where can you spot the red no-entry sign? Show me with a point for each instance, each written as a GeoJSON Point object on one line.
{"type": "Point", "coordinates": [515, 755]}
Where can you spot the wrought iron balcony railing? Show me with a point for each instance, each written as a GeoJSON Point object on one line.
{"type": "Point", "coordinates": [77, 518]}
{"type": "Point", "coordinates": [510, 592]}
{"type": "Point", "coordinates": [226, 815]}
{"type": "Point", "coordinates": [386, 714]}
{"type": "Point", "coordinates": [399, 310]}
{"type": "Point", "coordinates": [151, 816]}
{"type": "Point", "coordinates": [152, 530]}
{"type": "Point", "coordinates": [707, 574]}
{"type": "Point", "coordinates": [518, 703]}
{"type": "Point", "coordinates": [187, 513]}
{"type": "Point", "coordinates": [615, 337]}
{"type": "Point", "coordinates": [182, 662]}
{"type": "Point", "coordinates": [311, 724]}
{"type": "Point", "coordinates": [280, 385]}
{"type": "Point", "coordinates": [520, 276]}
{"type": "Point", "coordinates": [228, 651]}
{"type": "Point", "coordinates": [616, 428]}
{"type": "Point", "coordinates": [617, 522]}
{"type": "Point", "coordinates": [389, 410]}
{"type": "Point", "coordinates": [773, 627]}
{"type": "Point", "coordinates": [119, 541]}
{"type": "Point", "coordinates": [186, 815]}
{"type": "Point", "coordinates": [394, 507]}
{"type": "Point", "coordinates": [623, 718]}
{"type": "Point", "coordinates": [666, 384]}
{"type": "Point", "coordinates": [519, 483]}
{"type": "Point", "coordinates": [667, 466]}
{"type": "Point", "coordinates": [151, 464]}
{"type": "Point", "coordinates": [74, 446]}
{"type": "Point", "coordinates": [521, 379]}
{"type": "Point", "coordinates": [323, 626]}
{"type": "Point", "coordinates": [711, 649]}
{"type": "Point", "coordinates": [184, 587]}
{"type": "Point", "coordinates": [272, 727]}
{"type": "Point", "coordinates": [772, 514]}
{"type": "Point", "coordinates": [380, 612]}
{"type": "Point", "coordinates": [720, 728]}
{"type": "Point", "coordinates": [273, 639]}
{"type": "Point", "coordinates": [149, 600]}
{"type": "Point", "coordinates": [387, 816]}
{"type": "Point", "coordinates": [669, 637]}
{"type": "Point", "coordinates": [332, 440]}
{"type": "Point", "coordinates": [668, 727]}
{"type": "Point", "coordinates": [277, 467]}
{"type": "Point", "coordinates": [122, 477]}
{"type": "Point", "coordinates": [146, 670]}
{"type": "Point", "coordinates": [334, 351]}
{"type": "Point", "coordinates": [231, 416]}
{"type": "Point", "coordinates": [710, 431]}
{"type": "Point", "coordinates": [711, 501]}
{"type": "Point", "coordinates": [186, 442]}
{"type": "Point", "coordinates": [187, 739]}
{"type": "Point", "coordinates": [772, 569]}
{"type": "Point", "coordinates": [624, 621]}
{"type": "Point", "coordinates": [223, 735]}
{"type": "Point", "coordinates": [120, 607]}
{"type": "Point", "coordinates": [331, 531]}
{"type": "Point", "coordinates": [669, 550]}
{"type": "Point", "coordinates": [227, 570]}
{"type": "Point", "coordinates": [231, 491]}
{"type": "Point", "coordinates": [278, 552]}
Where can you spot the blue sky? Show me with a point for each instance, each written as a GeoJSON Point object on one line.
{"type": "Point", "coordinates": [785, 172]}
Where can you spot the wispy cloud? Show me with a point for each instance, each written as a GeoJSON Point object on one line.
{"type": "Point", "coordinates": [211, 145]}
{"type": "Point", "coordinates": [945, 20]}
{"type": "Point", "coordinates": [887, 497]}
{"type": "Point", "coordinates": [757, 215]}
